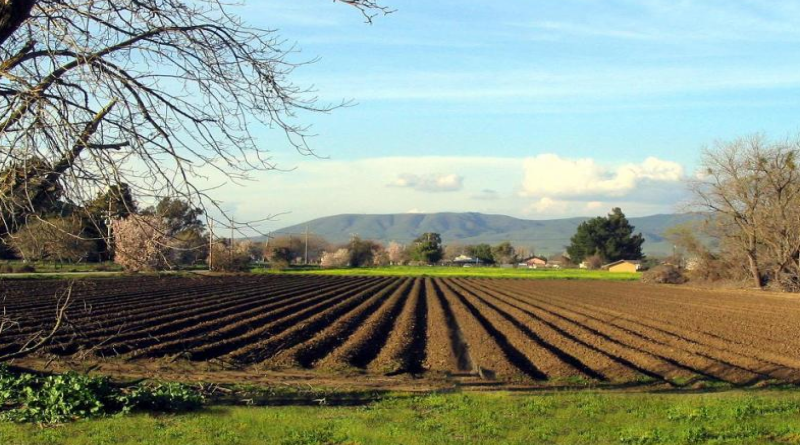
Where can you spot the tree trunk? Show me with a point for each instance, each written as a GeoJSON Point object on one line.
{"type": "Point", "coordinates": [755, 271]}
{"type": "Point", "coordinates": [13, 14]}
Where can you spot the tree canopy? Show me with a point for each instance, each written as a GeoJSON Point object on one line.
{"type": "Point", "coordinates": [610, 237]}
{"type": "Point", "coordinates": [427, 248]}
{"type": "Point", "coordinates": [482, 252]}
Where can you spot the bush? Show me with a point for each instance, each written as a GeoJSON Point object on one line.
{"type": "Point", "coordinates": [664, 274]}
{"type": "Point", "coordinates": [227, 259]}
{"type": "Point", "coordinates": [593, 262]}
{"type": "Point", "coordinates": [25, 268]}
{"type": "Point", "coordinates": [26, 397]}
{"type": "Point", "coordinates": [6, 268]}
{"type": "Point", "coordinates": [56, 239]}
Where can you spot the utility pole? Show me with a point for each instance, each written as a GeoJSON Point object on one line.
{"type": "Point", "coordinates": [306, 256]}
{"type": "Point", "coordinates": [230, 252]}
{"type": "Point", "coordinates": [211, 245]}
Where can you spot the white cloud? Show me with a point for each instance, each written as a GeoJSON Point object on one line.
{"type": "Point", "coordinates": [594, 205]}
{"type": "Point", "coordinates": [548, 205]}
{"type": "Point", "coordinates": [320, 187]}
{"type": "Point", "coordinates": [433, 182]}
{"type": "Point", "coordinates": [551, 176]}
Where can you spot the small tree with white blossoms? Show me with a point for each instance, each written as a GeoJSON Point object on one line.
{"type": "Point", "coordinates": [141, 243]}
{"type": "Point", "coordinates": [340, 258]}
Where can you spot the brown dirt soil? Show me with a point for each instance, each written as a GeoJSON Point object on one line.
{"type": "Point", "coordinates": [411, 334]}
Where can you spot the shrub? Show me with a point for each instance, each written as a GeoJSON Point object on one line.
{"type": "Point", "coordinates": [664, 274]}
{"type": "Point", "coordinates": [25, 268]}
{"type": "Point", "coordinates": [594, 262]}
{"type": "Point", "coordinates": [57, 239]}
{"type": "Point", "coordinates": [26, 397]}
{"type": "Point", "coordinates": [230, 259]}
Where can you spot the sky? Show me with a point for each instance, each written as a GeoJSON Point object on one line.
{"type": "Point", "coordinates": [536, 109]}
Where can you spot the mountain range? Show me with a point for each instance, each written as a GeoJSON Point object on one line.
{"type": "Point", "coordinates": [546, 237]}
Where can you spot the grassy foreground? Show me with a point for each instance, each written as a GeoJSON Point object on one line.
{"type": "Point", "coordinates": [482, 272]}
{"type": "Point", "coordinates": [552, 418]}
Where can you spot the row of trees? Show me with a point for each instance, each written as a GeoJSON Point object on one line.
{"type": "Point", "coordinates": [426, 249]}
{"type": "Point", "coordinates": [502, 253]}
{"type": "Point", "coordinates": [172, 230]}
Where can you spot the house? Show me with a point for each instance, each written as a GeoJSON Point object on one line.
{"type": "Point", "coordinates": [558, 261]}
{"type": "Point", "coordinates": [624, 266]}
{"type": "Point", "coordinates": [464, 260]}
{"type": "Point", "coordinates": [535, 262]}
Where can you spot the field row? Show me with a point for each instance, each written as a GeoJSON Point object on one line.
{"type": "Point", "coordinates": [492, 329]}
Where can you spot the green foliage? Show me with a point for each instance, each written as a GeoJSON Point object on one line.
{"type": "Point", "coordinates": [116, 202]}
{"type": "Point", "coordinates": [179, 215]}
{"type": "Point", "coordinates": [427, 248]}
{"type": "Point", "coordinates": [482, 252]}
{"type": "Point", "coordinates": [504, 253]}
{"type": "Point", "coordinates": [488, 272]}
{"type": "Point", "coordinates": [558, 417]}
{"type": "Point", "coordinates": [280, 257]}
{"type": "Point", "coordinates": [609, 237]}
{"type": "Point", "coordinates": [25, 397]}
{"type": "Point", "coordinates": [361, 251]}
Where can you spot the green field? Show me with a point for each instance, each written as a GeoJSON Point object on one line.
{"type": "Point", "coordinates": [58, 267]}
{"type": "Point", "coordinates": [758, 417]}
{"type": "Point", "coordinates": [109, 270]}
{"type": "Point", "coordinates": [483, 272]}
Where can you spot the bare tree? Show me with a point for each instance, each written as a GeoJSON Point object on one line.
{"type": "Point", "coordinates": [56, 239]}
{"type": "Point", "coordinates": [156, 94]}
{"type": "Point", "coordinates": [230, 256]}
{"type": "Point", "coordinates": [751, 187]}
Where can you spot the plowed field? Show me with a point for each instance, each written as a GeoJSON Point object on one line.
{"type": "Point", "coordinates": [509, 331]}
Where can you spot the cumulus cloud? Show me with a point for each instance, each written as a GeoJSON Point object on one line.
{"type": "Point", "coordinates": [594, 205]}
{"type": "Point", "coordinates": [433, 182]}
{"type": "Point", "coordinates": [551, 176]}
{"type": "Point", "coordinates": [549, 205]}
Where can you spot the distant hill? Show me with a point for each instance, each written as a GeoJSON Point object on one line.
{"type": "Point", "coordinates": [546, 236]}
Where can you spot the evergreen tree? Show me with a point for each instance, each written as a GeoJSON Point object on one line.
{"type": "Point", "coordinates": [428, 248]}
{"type": "Point", "coordinates": [482, 252]}
{"type": "Point", "coordinates": [609, 237]}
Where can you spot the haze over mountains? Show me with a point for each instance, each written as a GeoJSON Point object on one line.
{"type": "Point", "coordinates": [545, 236]}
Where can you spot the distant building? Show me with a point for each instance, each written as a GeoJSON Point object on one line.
{"type": "Point", "coordinates": [624, 266]}
{"type": "Point", "coordinates": [464, 260]}
{"type": "Point", "coordinates": [558, 261]}
{"type": "Point", "coordinates": [534, 262]}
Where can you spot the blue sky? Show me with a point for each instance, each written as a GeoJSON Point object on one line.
{"type": "Point", "coordinates": [536, 109]}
